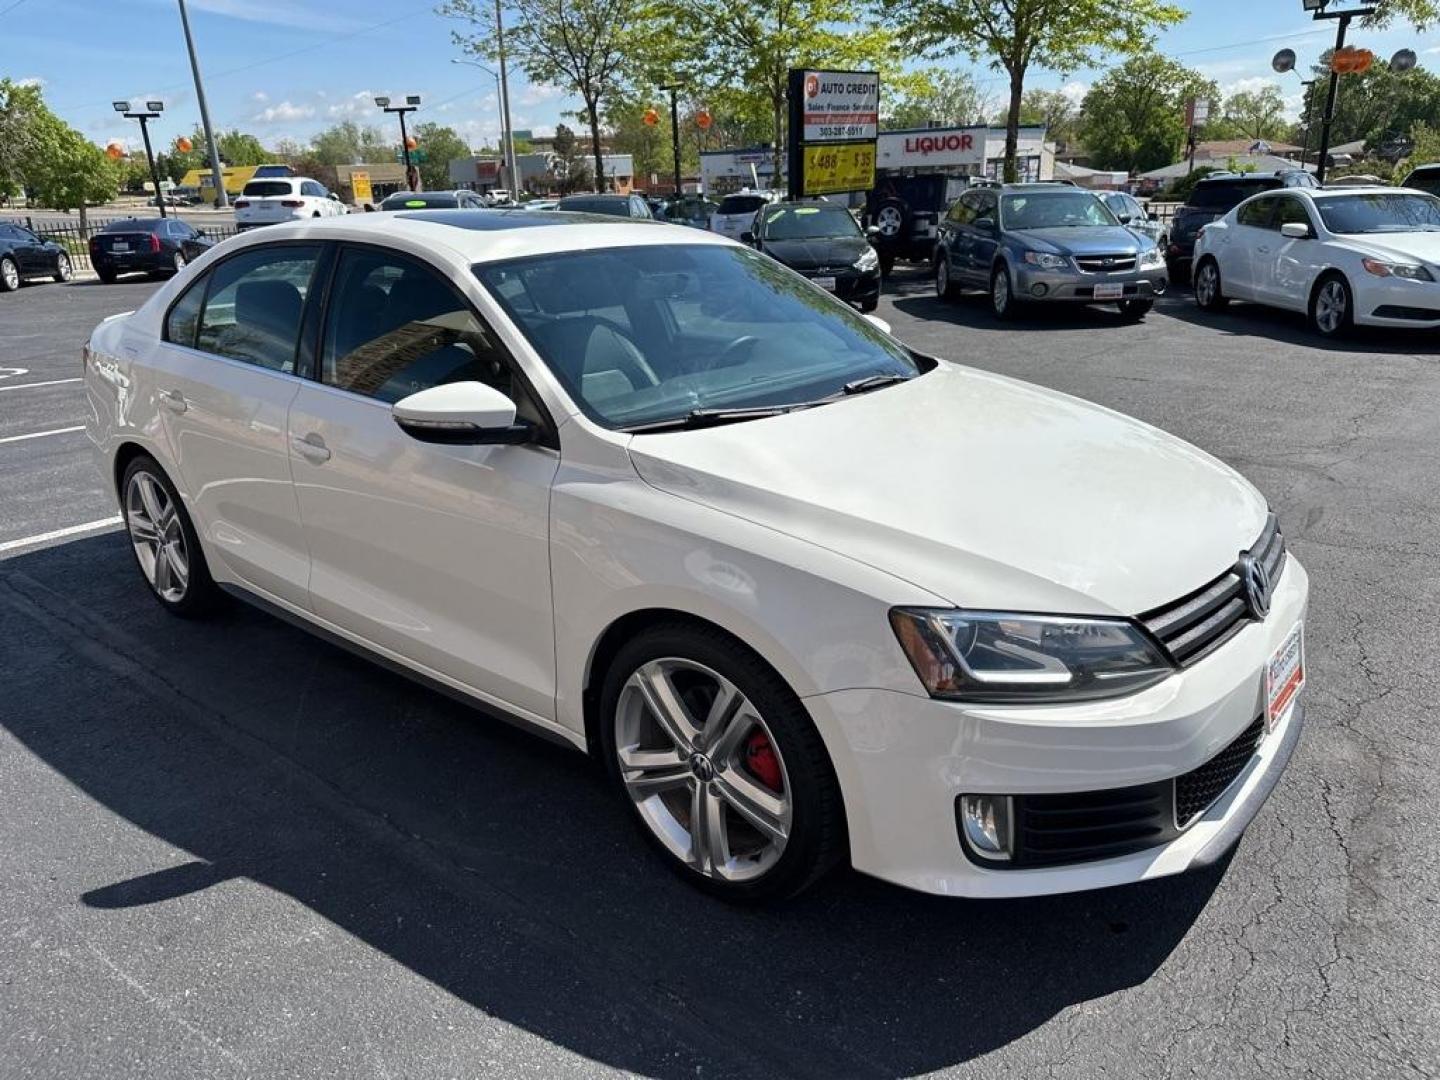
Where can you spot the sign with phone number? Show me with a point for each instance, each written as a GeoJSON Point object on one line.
{"type": "Point", "coordinates": [837, 167]}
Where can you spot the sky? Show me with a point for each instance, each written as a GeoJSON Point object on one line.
{"type": "Point", "coordinates": [285, 69]}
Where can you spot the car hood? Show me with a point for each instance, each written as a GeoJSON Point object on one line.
{"type": "Point", "coordinates": [1399, 247]}
{"type": "Point", "coordinates": [983, 490]}
{"type": "Point", "coordinates": [810, 254]}
{"type": "Point", "coordinates": [1098, 240]}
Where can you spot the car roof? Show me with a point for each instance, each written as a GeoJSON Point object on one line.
{"type": "Point", "coordinates": [609, 196]}
{"type": "Point", "coordinates": [480, 236]}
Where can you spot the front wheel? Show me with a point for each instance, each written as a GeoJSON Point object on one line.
{"type": "Point", "coordinates": [1135, 310]}
{"type": "Point", "coordinates": [945, 287]}
{"type": "Point", "coordinates": [1208, 293]}
{"type": "Point", "coordinates": [9, 275]}
{"type": "Point", "coordinates": [164, 540]}
{"type": "Point", "coordinates": [178, 261]}
{"type": "Point", "coordinates": [63, 272]}
{"type": "Point", "coordinates": [1002, 296]}
{"type": "Point", "coordinates": [720, 763]}
{"type": "Point", "coordinates": [1332, 308]}
{"type": "Point", "coordinates": [867, 306]}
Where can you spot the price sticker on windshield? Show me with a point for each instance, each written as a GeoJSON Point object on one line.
{"type": "Point", "coordinates": [839, 167]}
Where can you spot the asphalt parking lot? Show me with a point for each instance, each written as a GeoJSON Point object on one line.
{"type": "Point", "coordinates": [228, 849]}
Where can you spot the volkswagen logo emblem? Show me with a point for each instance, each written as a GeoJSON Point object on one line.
{"type": "Point", "coordinates": [1256, 581]}
{"type": "Point", "coordinates": [702, 768]}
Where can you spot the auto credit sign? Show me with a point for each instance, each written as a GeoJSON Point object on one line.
{"type": "Point", "coordinates": [840, 106]}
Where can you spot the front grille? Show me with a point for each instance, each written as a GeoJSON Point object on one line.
{"type": "Point", "coordinates": [1196, 625]}
{"type": "Point", "coordinates": [1082, 826]}
{"type": "Point", "coordinates": [1197, 789]}
{"type": "Point", "coordinates": [1105, 264]}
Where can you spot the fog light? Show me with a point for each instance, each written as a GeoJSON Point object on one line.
{"type": "Point", "coordinates": [985, 823]}
{"type": "Point", "coordinates": [1038, 289]}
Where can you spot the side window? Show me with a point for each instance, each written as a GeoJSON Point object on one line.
{"type": "Point", "coordinates": [253, 310]}
{"type": "Point", "coordinates": [394, 327]}
{"type": "Point", "coordinates": [1256, 213]}
{"type": "Point", "coordinates": [311, 188]}
{"type": "Point", "coordinates": [985, 205]}
{"type": "Point", "coordinates": [963, 212]}
{"type": "Point", "coordinates": [1292, 210]}
{"type": "Point", "coordinates": [184, 315]}
{"type": "Point", "coordinates": [7, 232]}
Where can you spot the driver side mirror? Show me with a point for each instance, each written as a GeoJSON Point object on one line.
{"type": "Point", "coordinates": [1125, 219]}
{"type": "Point", "coordinates": [461, 413]}
{"type": "Point", "coordinates": [985, 225]}
{"type": "Point", "coordinates": [747, 237]}
{"type": "Point", "coordinates": [1296, 230]}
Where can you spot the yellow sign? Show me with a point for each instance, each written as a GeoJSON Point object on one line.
{"type": "Point", "coordinates": [835, 167]}
{"type": "Point", "coordinates": [360, 185]}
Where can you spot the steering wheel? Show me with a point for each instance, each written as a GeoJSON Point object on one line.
{"type": "Point", "coordinates": [722, 358]}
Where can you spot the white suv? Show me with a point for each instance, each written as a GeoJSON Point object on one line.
{"type": "Point", "coordinates": [284, 198]}
{"type": "Point", "coordinates": [735, 216]}
{"type": "Point", "coordinates": [808, 595]}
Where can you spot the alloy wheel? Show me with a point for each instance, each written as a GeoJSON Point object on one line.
{"type": "Point", "coordinates": [889, 220]}
{"type": "Point", "coordinates": [9, 275]}
{"type": "Point", "coordinates": [179, 261]}
{"type": "Point", "coordinates": [158, 537]}
{"type": "Point", "coordinates": [63, 268]}
{"type": "Point", "coordinates": [942, 278]}
{"type": "Point", "coordinates": [1330, 307]}
{"type": "Point", "coordinates": [1205, 285]}
{"type": "Point", "coordinates": [703, 769]}
{"type": "Point", "coordinates": [1000, 293]}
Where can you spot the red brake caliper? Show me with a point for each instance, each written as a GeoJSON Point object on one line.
{"type": "Point", "coordinates": [760, 759]}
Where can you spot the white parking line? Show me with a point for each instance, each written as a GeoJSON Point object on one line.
{"type": "Point", "coordinates": [56, 534]}
{"type": "Point", "coordinates": [33, 385]}
{"type": "Point", "coordinates": [42, 434]}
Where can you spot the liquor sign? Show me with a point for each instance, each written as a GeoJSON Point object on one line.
{"type": "Point", "coordinates": [835, 167]}
{"type": "Point", "coordinates": [932, 148]}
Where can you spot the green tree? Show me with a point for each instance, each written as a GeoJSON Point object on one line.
{"type": "Point", "coordinates": [236, 148]}
{"type": "Point", "coordinates": [69, 172]}
{"type": "Point", "coordinates": [19, 108]}
{"type": "Point", "coordinates": [949, 96]}
{"type": "Point", "coordinates": [1427, 144]}
{"type": "Point", "coordinates": [583, 45]}
{"type": "Point", "coordinates": [1422, 14]}
{"type": "Point", "coordinates": [1134, 116]}
{"type": "Point", "coordinates": [1257, 114]}
{"type": "Point", "coordinates": [1014, 35]}
{"type": "Point", "coordinates": [442, 146]}
{"type": "Point", "coordinates": [572, 171]}
{"type": "Point", "coordinates": [1054, 109]}
{"type": "Point", "coordinates": [1374, 105]}
{"type": "Point", "coordinates": [348, 143]}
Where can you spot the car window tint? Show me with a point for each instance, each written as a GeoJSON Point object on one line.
{"type": "Point", "coordinates": [1290, 211]}
{"type": "Point", "coordinates": [253, 310]}
{"type": "Point", "coordinates": [184, 317]}
{"type": "Point", "coordinates": [1257, 213]}
{"type": "Point", "coordinates": [395, 327]}
{"type": "Point", "coordinates": [7, 232]}
{"type": "Point", "coordinates": [265, 189]}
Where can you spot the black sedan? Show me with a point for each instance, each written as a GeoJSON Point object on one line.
{"type": "Point", "coordinates": [145, 246]}
{"type": "Point", "coordinates": [824, 243]}
{"type": "Point", "coordinates": [23, 255]}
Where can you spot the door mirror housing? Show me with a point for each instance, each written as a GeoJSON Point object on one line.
{"type": "Point", "coordinates": [985, 225]}
{"type": "Point", "coordinates": [464, 413]}
{"type": "Point", "coordinates": [747, 237]}
{"type": "Point", "coordinates": [879, 323]}
{"type": "Point", "coordinates": [1125, 219]}
{"type": "Point", "coordinates": [1296, 230]}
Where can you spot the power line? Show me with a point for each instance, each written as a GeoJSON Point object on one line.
{"type": "Point", "coordinates": [12, 7]}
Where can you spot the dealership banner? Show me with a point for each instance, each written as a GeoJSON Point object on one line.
{"type": "Point", "coordinates": [840, 112]}
{"type": "Point", "coordinates": [835, 167]}
{"type": "Point", "coordinates": [840, 105]}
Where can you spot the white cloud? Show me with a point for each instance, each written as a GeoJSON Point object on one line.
{"type": "Point", "coordinates": [360, 103]}
{"type": "Point", "coordinates": [30, 80]}
{"type": "Point", "coordinates": [539, 94]}
{"type": "Point", "coordinates": [1075, 90]}
{"type": "Point", "coordinates": [284, 113]}
{"type": "Point", "coordinates": [260, 96]}
{"type": "Point", "coordinates": [301, 16]}
{"type": "Point", "coordinates": [1246, 86]}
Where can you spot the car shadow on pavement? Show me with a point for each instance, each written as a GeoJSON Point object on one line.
{"type": "Point", "coordinates": [916, 297]}
{"type": "Point", "coordinates": [1269, 324]}
{"type": "Point", "coordinates": [502, 868]}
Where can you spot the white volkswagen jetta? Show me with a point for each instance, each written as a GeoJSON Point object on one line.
{"type": "Point", "coordinates": [809, 595]}
{"type": "Point", "coordinates": [1344, 256]}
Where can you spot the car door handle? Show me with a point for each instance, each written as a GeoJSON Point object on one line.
{"type": "Point", "coordinates": [173, 400]}
{"type": "Point", "coordinates": [312, 448]}
{"type": "Point", "coordinates": [1263, 250]}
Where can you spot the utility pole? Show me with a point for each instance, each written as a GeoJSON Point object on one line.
{"type": "Point", "coordinates": [1328, 116]}
{"type": "Point", "coordinates": [412, 102]}
{"type": "Point", "coordinates": [221, 199]}
{"type": "Point", "coordinates": [152, 111]}
{"type": "Point", "coordinates": [507, 150]}
{"type": "Point", "coordinates": [674, 89]}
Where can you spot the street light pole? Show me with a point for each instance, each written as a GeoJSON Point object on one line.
{"type": "Point", "coordinates": [412, 102]}
{"type": "Point", "coordinates": [221, 200]}
{"type": "Point", "coordinates": [508, 149]}
{"type": "Point", "coordinates": [152, 111]}
{"type": "Point", "coordinates": [1328, 116]}
{"type": "Point", "coordinates": [506, 157]}
{"type": "Point", "coordinates": [674, 89]}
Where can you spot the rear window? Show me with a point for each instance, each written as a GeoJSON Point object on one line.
{"type": "Point", "coordinates": [740, 204]}
{"type": "Point", "coordinates": [262, 189]}
{"type": "Point", "coordinates": [1224, 195]}
{"type": "Point", "coordinates": [1425, 180]}
{"type": "Point", "coordinates": [613, 207]}
{"type": "Point", "coordinates": [136, 225]}
{"type": "Point", "coordinates": [411, 200]}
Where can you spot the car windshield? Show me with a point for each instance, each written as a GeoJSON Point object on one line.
{"type": "Point", "coordinates": [740, 204]}
{"type": "Point", "coordinates": [1380, 212]}
{"type": "Point", "coordinates": [411, 200]}
{"type": "Point", "coordinates": [648, 334]}
{"type": "Point", "coordinates": [1227, 194]}
{"type": "Point", "coordinates": [1425, 180]}
{"type": "Point", "coordinates": [613, 207]}
{"type": "Point", "coordinates": [807, 223]}
{"type": "Point", "coordinates": [265, 189]}
{"type": "Point", "coordinates": [1053, 210]}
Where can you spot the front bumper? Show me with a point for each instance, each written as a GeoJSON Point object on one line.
{"type": "Point", "coordinates": [1034, 284]}
{"type": "Point", "coordinates": [852, 286]}
{"type": "Point", "coordinates": [1395, 301]}
{"type": "Point", "coordinates": [903, 759]}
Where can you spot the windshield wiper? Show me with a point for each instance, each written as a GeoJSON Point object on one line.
{"type": "Point", "coordinates": [874, 382]}
{"type": "Point", "coordinates": [699, 418]}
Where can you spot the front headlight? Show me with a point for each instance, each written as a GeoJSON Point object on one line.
{"type": "Point", "coordinates": [868, 260]}
{"type": "Point", "coordinates": [1046, 261]}
{"type": "Point", "coordinates": [998, 657]}
{"type": "Point", "coordinates": [1408, 271]}
{"type": "Point", "coordinates": [1152, 257]}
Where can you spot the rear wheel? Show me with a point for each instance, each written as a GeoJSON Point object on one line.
{"type": "Point", "coordinates": [1208, 293]}
{"type": "Point", "coordinates": [107, 277]}
{"type": "Point", "coordinates": [164, 540]}
{"type": "Point", "coordinates": [63, 272]}
{"type": "Point", "coordinates": [721, 764]}
{"type": "Point", "coordinates": [9, 275]}
{"type": "Point", "coordinates": [1332, 308]}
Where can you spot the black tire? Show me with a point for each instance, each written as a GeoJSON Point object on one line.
{"type": "Point", "coordinates": [817, 839]}
{"type": "Point", "coordinates": [1209, 289]}
{"type": "Point", "coordinates": [887, 263]}
{"type": "Point", "coordinates": [945, 287]}
{"type": "Point", "coordinates": [1135, 310]}
{"type": "Point", "coordinates": [201, 595]}
{"type": "Point", "coordinates": [1010, 309]}
{"type": "Point", "coordinates": [1178, 272]}
{"type": "Point", "coordinates": [1332, 306]}
{"type": "Point", "coordinates": [178, 261]}
{"type": "Point", "coordinates": [9, 275]}
{"type": "Point", "coordinates": [63, 270]}
{"type": "Point", "coordinates": [107, 277]}
{"type": "Point", "coordinates": [892, 218]}
{"type": "Point", "coordinates": [867, 306]}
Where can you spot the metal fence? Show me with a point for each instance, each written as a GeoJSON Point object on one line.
{"type": "Point", "coordinates": [76, 240]}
